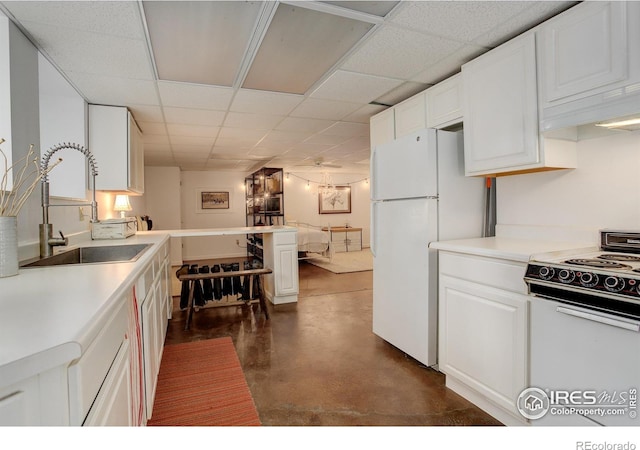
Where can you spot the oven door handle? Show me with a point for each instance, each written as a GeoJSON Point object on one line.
{"type": "Point", "coordinates": [607, 320]}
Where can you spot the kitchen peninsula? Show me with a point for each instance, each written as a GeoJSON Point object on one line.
{"type": "Point", "coordinates": [82, 343]}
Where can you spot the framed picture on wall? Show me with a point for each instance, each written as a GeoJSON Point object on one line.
{"type": "Point", "coordinates": [334, 200]}
{"type": "Point", "coordinates": [214, 200]}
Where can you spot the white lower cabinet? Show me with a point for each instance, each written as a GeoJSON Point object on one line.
{"type": "Point", "coordinates": [112, 406]}
{"type": "Point", "coordinates": [483, 332]}
{"type": "Point", "coordinates": [281, 255]}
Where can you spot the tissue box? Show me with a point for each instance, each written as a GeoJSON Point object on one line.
{"type": "Point", "coordinates": [114, 228]}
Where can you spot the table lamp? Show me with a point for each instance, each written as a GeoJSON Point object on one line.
{"type": "Point", "coordinates": [122, 204]}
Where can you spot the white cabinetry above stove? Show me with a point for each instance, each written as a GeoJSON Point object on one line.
{"type": "Point", "coordinates": [501, 114]}
{"type": "Point", "coordinates": [589, 64]}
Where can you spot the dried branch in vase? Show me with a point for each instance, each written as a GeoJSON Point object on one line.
{"type": "Point", "coordinates": [28, 177]}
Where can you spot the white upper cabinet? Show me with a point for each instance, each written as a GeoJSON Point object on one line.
{"type": "Point", "coordinates": [62, 120]}
{"type": "Point", "coordinates": [444, 103]}
{"type": "Point", "coordinates": [589, 64]}
{"type": "Point", "coordinates": [116, 142]}
{"type": "Point", "coordinates": [500, 110]}
{"type": "Point", "coordinates": [410, 115]}
{"type": "Point", "coordinates": [382, 128]}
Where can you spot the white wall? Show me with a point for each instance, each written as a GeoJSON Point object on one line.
{"type": "Point", "coordinates": [193, 182]}
{"type": "Point", "coordinates": [301, 202]}
{"type": "Point", "coordinates": [162, 203]}
{"type": "Point", "coordinates": [603, 192]}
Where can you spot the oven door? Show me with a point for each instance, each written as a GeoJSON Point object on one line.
{"type": "Point", "coordinates": [587, 360]}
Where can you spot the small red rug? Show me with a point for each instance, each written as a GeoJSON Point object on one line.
{"type": "Point", "coordinates": [201, 383]}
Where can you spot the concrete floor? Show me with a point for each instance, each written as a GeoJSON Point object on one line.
{"type": "Point", "coordinates": [317, 362]}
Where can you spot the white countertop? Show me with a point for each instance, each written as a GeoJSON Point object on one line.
{"type": "Point", "coordinates": [48, 315]}
{"type": "Point", "coordinates": [512, 249]}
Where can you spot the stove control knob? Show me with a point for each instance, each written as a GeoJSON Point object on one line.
{"type": "Point", "coordinates": [566, 276]}
{"type": "Point", "coordinates": [546, 273]}
{"type": "Point", "coordinates": [588, 279]}
{"type": "Point", "coordinates": [614, 284]}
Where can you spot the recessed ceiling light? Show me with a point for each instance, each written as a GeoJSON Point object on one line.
{"type": "Point", "coordinates": [631, 123]}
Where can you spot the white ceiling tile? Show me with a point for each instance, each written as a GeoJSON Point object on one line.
{"type": "Point", "coordinates": [326, 139]}
{"type": "Point", "coordinates": [160, 161]}
{"type": "Point", "coordinates": [152, 127]}
{"type": "Point", "coordinates": [354, 87]}
{"type": "Point", "coordinates": [463, 21]}
{"type": "Point", "coordinates": [308, 125]}
{"type": "Point", "coordinates": [219, 150]}
{"type": "Point", "coordinates": [156, 148]}
{"type": "Point", "coordinates": [238, 133]}
{"type": "Point", "coordinates": [263, 102]}
{"type": "Point", "coordinates": [118, 18]}
{"type": "Point", "coordinates": [95, 53]}
{"type": "Point", "coordinates": [317, 108]}
{"type": "Point", "coordinates": [535, 13]}
{"type": "Point", "coordinates": [402, 92]}
{"type": "Point", "coordinates": [178, 129]}
{"type": "Point", "coordinates": [279, 137]}
{"type": "Point", "coordinates": [266, 152]}
{"type": "Point", "coordinates": [200, 141]}
{"type": "Point", "coordinates": [308, 149]}
{"type": "Point", "coordinates": [363, 114]}
{"type": "Point", "coordinates": [247, 120]}
{"type": "Point", "coordinates": [115, 90]}
{"type": "Point", "coordinates": [194, 95]}
{"type": "Point", "coordinates": [193, 116]}
{"type": "Point", "coordinates": [347, 129]}
{"type": "Point", "coordinates": [145, 113]}
{"type": "Point", "coordinates": [152, 139]}
{"type": "Point", "coordinates": [395, 52]}
{"type": "Point", "coordinates": [449, 65]}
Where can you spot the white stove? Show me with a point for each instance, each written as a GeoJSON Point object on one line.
{"type": "Point", "coordinates": [605, 279]}
{"type": "Point", "coordinates": [585, 333]}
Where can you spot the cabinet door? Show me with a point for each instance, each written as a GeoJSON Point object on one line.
{"type": "Point", "coordinates": [354, 241]}
{"type": "Point", "coordinates": [150, 319]}
{"type": "Point", "coordinates": [500, 109]}
{"type": "Point", "coordinates": [483, 339]}
{"type": "Point", "coordinates": [382, 128]}
{"type": "Point", "coordinates": [583, 50]}
{"type": "Point", "coordinates": [444, 103]}
{"type": "Point", "coordinates": [410, 115]}
{"type": "Point", "coordinates": [20, 404]}
{"type": "Point", "coordinates": [116, 143]}
{"type": "Point", "coordinates": [136, 157]}
{"type": "Point", "coordinates": [112, 407]}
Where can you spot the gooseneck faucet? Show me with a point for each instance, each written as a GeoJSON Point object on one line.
{"type": "Point", "coordinates": [47, 240]}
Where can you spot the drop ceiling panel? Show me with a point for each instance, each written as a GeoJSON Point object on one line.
{"type": "Point", "coordinates": [144, 113]}
{"type": "Point", "coordinates": [326, 139]}
{"type": "Point", "coordinates": [363, 114]}
{"type": "Point", "coordinates": [263, 102]}
{"type": "Point", "coordinates": [354, 87]}
{"type": "Point", "coordinates": [402, 92]}
{"type": "Point", "coordinates": [96, 53]}
{"type": "Point", "coordinates": [299, 47]}
{"type": "Point", "coordinates": [194, 95]}
{"type": "Point", "coordinates": [380, 8]}
{"type": "Point", "coordinates": [153, 139]}
{"type": "Point", "coordinates": [152, 127]}
{"type": "Point", "coordinates": [115, 90]}
{"type": "Point", "coordinates": [395, 52]}
{"type": "Point", "coordinates": [183, 37]}
{"type": "Point", "coordinates": [193, 116]}
{"type": "Point", "coordinates": [304, 125]}
{"type": "Point", "coordinates": [316, 108]}
{"type": "Point", "coordinates": [118, 18]}
{"type": "Point", "coordinates": [347, 129]}
{"type": "Point", "coordinates": [286, 137]}
{"type": "Point", "coordinates": [247, 120]}
{"type": "Point", "coordinates": [177, 129]}
{"type": "Point", "coordinates": [200, 141]}
{"type": "Point", "coordinates": [449, 65]}
{"type": "Point", "coordinates": [462, 21]}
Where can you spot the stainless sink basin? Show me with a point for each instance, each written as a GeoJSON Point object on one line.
{"type": "Point", "coordinates": [93, 255]}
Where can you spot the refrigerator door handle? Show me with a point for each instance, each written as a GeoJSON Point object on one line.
{"type": "Point", "coordinates": [372, 244]}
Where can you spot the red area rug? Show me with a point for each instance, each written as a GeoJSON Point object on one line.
{"type": "Point", "coordinates": [201, 383]}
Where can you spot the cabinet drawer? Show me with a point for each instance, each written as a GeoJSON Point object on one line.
{"type": "Point", "coordinates": [494, 272]}
{"type": "Point", "coordinates": [285, 238]}
{"type": "Point", "coordinates": [86, 376]}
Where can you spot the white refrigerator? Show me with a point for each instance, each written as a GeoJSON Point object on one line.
{"type": "Point", "coordinates": [419, 194]}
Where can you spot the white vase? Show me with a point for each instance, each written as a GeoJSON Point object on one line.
{"type": "Point", "coordinates": [8, 246]}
